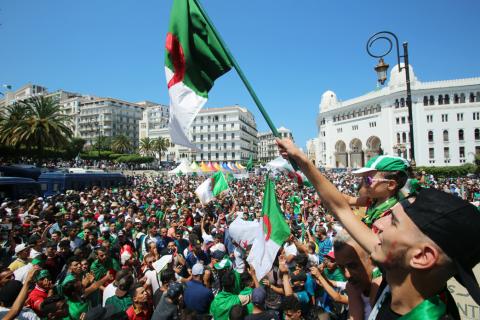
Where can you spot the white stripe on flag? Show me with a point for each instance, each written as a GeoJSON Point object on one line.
{"type": "Point", "coordinates": [184, 107]}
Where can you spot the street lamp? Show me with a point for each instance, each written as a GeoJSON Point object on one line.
{"type": "Point", "coordinates": [381, 69]}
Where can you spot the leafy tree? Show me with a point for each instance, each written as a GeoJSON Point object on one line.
{"type": "Point", "coordinates": [121, 144]}
{"type": "Point", "coordinates": [37, 122]}
{"type": "Point", "coordinates": [103, 143]}
{"type": "Point", "coordinates": [161, 146]}
{"type": "Point", "coordinates": [75, 147]}
{"type": "Point", "coordinates": [147, 146]}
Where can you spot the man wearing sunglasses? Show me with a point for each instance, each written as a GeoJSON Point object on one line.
{"type": "Point", "coordinates": [380, 182]}
{"type": "Point", "coordinates": [421, 244]}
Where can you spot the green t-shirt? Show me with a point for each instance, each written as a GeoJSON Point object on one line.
{"type": "Point", "coordinates": [336, 275]}
{"type": "Point", "coordinates": [76, 308]}
{"type": "Point", "coordinates": [120, 303]}
{"type": "Point", "coordinates": [100, 270]}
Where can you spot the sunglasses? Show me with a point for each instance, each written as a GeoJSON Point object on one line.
{"type": "Point", "coordinates": [368, 181]}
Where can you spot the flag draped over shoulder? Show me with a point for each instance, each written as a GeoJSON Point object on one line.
{"type": "Point", "coordinates": [211, 187]}
{"type": "Point", "coordinates": [194, 59]}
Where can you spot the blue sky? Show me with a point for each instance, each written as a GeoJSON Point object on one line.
{"type": "Point", "coordinates": [291, 51]}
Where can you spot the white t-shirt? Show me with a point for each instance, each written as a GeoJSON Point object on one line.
{"type": "Point", "coordinates": [290, 249]}
{"type": "Point", "coordinates": [239, 263]}
{"type": "Point", "coordinates": [21, 273]}
{"type": "Point", "coordinates": [152, 280]}
{"type": "Point", "coordinates": [108, 292]}
{"type": "Point", "coordinates": [25, 314]}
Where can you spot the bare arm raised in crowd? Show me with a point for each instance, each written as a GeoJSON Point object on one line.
{"type": "Point", "coordinates": [330, 196]}
{"type": "Point", "coordinates": [22, 296]}
{"type": "Point", "coordinates": [335, 295]}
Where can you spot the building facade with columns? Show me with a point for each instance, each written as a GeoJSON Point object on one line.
{"type": "Point", "coordinates": [446, 121]}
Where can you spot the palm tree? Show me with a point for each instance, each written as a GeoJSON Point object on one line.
{"type": "Point", "coordinates": [147, 145]}
{"type": "Point", "coordinates": [75, 147]}
{"type": "Point", "coordinates": [102, 143]}
{"type": "Point", "coordinates": [42, 125]}
{"type": "Point", "coordinates": [160, 146]}
{"type": "Point", "coordinates": [9, 121]}
{"type": "Point", "coordinates": [121, 144]}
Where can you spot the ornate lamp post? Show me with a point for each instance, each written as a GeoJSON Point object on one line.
{"type": "Point", "coordinates": [381, 69]}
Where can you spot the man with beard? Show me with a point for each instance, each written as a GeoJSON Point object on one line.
{"type": "Point", "coordinates": [420, 243]}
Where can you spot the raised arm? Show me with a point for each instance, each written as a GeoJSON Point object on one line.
{"type": "Point", "coordinates": [330, 196]}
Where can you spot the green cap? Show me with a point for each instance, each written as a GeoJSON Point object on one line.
{"type": "Point", "coordinates": [384, 163]}
{"type": "Point", "coordinates": [42, 274]}
{"type": "Point", "coordinates": [38, 260]}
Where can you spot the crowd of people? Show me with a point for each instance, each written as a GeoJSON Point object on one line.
{"type": "Point", "coordinates": [361, 247]}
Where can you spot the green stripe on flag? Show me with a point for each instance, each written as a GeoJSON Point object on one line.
{"type": "Point", "coordinates": [200, 54]}
{"type": "Point", "coordinates": [275, 226]}
{"type": "Point", "coordinates": [219, 183]}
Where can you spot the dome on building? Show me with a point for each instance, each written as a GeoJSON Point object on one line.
{"type": "Point", "coordinates": [397, 78]}
{"type": "Point", "coordinates": [329, 100]}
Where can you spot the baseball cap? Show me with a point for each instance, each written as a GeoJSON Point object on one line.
{"type": "Point", "coordinates": [197, 269]}
{"type": "Point", "coordinates": [384, 163]}
{"type": "Point", "coordinates": [42, 274]}
{"type": "Point", "coordinates": [174, 290]}
{"type": "Point", "coordinates": [218, 254]}
{"type": "Point", "coordinates": [452, 223]}
{"type": "Point", "coordinates": [331, 255]}
{"type": "Point", "coordinates": [258, 296]}
{"type": "Point", "coordinates": [20, 247]}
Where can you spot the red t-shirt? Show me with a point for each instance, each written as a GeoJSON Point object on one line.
{"type": "Point", "coordinates": [35, 299]}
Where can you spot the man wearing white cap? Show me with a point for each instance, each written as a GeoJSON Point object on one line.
{"type": "Point", "coordinates": [22, 251]}
{"type": "Point", "coordinates": [196, 296]}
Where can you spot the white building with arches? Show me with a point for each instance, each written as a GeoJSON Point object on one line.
{"type": "Point", "coordinates": [446, 121]}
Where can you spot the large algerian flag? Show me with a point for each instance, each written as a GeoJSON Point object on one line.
{"type": "Point", "coordinates": [284, 166]}
{"type": "Point", "coordinates": [275, 233]}
{"type": "Point", "coordinates": [194, 59]}
{"type": "Point", "coordinates": [212, 187]}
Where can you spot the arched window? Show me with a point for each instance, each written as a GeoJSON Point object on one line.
{"type": "Point", "coordinates": [425, 101]}
{"type": "Point", "coordinates": [396, 103]}
{"type": "Point", "coordinates": [402, 102]}
{"type": "Point", "coordinates": [432, 100]}
{"type": "Point", "coordinates": [478, 96]}
{"type": "Point", "coordinates": [477, 134]}
{"type": "Point", "coordinates": [460, 135]}
{"type": "Point", "coordinates": [462, 98]}
{"type": "Point", "coordinates": [440, 99]}
{"type": "Point", "coordinates": [472, 97]}
{"type": "Point", "coordinates": [456, 98]}
{"type": "Point", "coordinates": [398, 137]}
{"type": "Point", "coordinates": [445, 135]}
{"type": "Point", "coordinates": [447, 99]}
{"type": "Point", "coordinates": [430, 136]}
{"type": "Point", "coordinates": [404, 137]}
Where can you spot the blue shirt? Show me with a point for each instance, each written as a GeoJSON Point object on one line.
{"type": "Point", "coordinates": [324, 247]}
{"type": "Point", "coordinates": [197, 297]}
